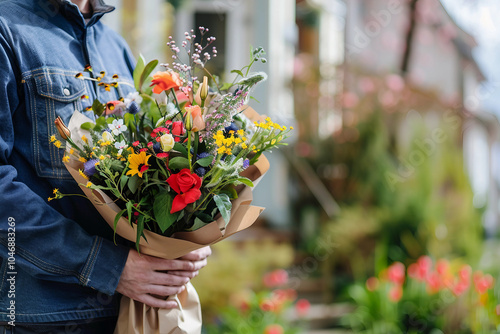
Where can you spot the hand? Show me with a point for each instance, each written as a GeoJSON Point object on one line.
{"type": "Point", "coordinates": [146, 278]}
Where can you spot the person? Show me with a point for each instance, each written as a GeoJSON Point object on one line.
{"type": "Point", "coordinates": [60, 271]}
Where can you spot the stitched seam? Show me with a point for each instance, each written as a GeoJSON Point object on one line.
{"type": "Point", "coordinates": [95, 250]}
{"type": "Point", "coordinates": [42, 264]}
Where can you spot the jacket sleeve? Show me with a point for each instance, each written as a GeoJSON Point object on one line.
{"type": "Point", "coordinates": [44, 244]}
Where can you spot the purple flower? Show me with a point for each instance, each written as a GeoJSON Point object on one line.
{"type": "Point", "coordinates": [89, 167]}
{"type": "Point", "coordinates": [134, 108]}
{"type": "Point", "coordinates": [157, 147]}
{"type": "Point", "coordinates": [202, 155]}
{"type": "Point", "coordinates": [200, 171]}
{"type": "Point", "coordinates": [246, 163]}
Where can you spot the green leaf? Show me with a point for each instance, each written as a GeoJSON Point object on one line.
{"type": "Point", "coordinates": [245, 181]}
{"type": "Point", "coordinates": [123, 181]}
{"type": "Point", "coordinates": [139, 68]}
{"type": "Point", "coordinates": [180, 148]}
{"type": "Point", "coordinates": [179, 163]}
{"type": "Point", "coordinates": [224, 205]}
{"type": "Point", "coordinates": [198, 223]}
{"type": "Point", "coordinates": [101, 123]}
{"type": "Point", "coordinates": [147, 71]}
{"type": "Point", "coordinates": [226, 86]}
{"type": "Point", "coordinates": [97, 107]}
{"type": "Point", "coordinates": [134, 182]}
{"type": "Point", "coordinates": [231, 192]}
{"type": "Point", "coordinates": [87, 126]}
{"type": "Point", "coordinates": [140, 229]}
{"type": "Point", "coordinates": [238, 72]}
{"type": "Point", "coordinates": [161, 208]}
{"type": "Point", "coordinates": [253, 98]}
{"type": "Point", "coordinates": [129, 206]}
{"type": "Point", "coordinates": [117, 218]}
{"type": "Point", "coordinates": [205, 162]}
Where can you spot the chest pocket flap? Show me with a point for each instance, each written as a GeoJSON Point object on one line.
{"type": "Point", "coordinates": [59, 85]}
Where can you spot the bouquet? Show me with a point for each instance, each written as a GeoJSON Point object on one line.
{"type": "Point", "coordinates": [171, 166]}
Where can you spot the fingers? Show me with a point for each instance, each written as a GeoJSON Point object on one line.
{"type": "Point", "coordinates": [188, 274]}
{"type": "Point", "coordinates": [165, 291]}
{"type": "Point", "coordinates": [156, 302]}
{"type": "Point", "coordinates": [198, 255]}
{"type": "Point", "coordinates": [169, 278]}
{"type": "Point", "coordinates": [177, 265]}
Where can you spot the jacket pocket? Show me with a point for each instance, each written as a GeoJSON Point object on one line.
{"type": "Point", "coordinates": [52, 92]}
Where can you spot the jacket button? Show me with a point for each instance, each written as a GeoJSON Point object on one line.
{"type": "Point", "coordinates": [66, 92]}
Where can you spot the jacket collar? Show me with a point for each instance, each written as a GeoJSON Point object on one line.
{"type": "Point", "coordinates": [71, 11]}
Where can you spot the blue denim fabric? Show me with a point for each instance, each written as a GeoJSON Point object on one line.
{"type": "Point", "coordinates": [66, 266]}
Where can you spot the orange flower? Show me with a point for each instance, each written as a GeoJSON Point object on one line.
{"type": "Point", "coordinates": [165, 80]}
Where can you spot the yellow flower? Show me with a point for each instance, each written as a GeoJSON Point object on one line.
{"type": "Point", "coordinates": [228, 151]}
{"type": "Point", "coordinates": [57, 144]}
{"type": "Point", "coordinates": [85, 140]}
{"type": "Point", "coordinates": [273, 141]}
{"type": "Point", "coordinates": [102, 157]}
{"type": "Point", "coordinates": [65, 158]}
{"type": "Point", "coordinates": [237, 141]}
{"type": "Point", "coordinates": [221, 150]}
{"type": "Point", "coordinates": [241, 132]}
{"type": "Point", "coordinates": [244, 146]}
{"type": "Point", "coordinates": [82, 174]}
{"type": "Point", "coordinates": [71, 151]}
{"type": "Point", "coordinates": [51, 198]}
{"type": "Point", "coordinates": [89, 184]}
{"type": "Point", "coordinates": [291, 128]}
{"type": "Point", "coordinates": [52, 138]}
{"type": "Point", "coordinates": [55, 191]}
{"type": "Point", "coordinates": [138, 163]}
{"type": "Point", "coordinates": [82, 159]}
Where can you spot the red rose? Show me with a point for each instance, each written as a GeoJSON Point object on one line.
{"type": "Point", "coordinates": [187, 186]}
{"type": "Point", "coordinates": [178, 130]}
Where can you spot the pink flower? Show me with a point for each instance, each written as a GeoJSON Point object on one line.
{"type": "Point", "coordinates": [274, 329]}
{"type": "Point", "coordinates": [275, 278]}
{"type": "Point", "coordinates": [433, 282]}
{"type": "Point", "coordinates": [396, 273]}
{"type": "Point", "coordinates": [395, 293]}
{"type": "Point", "coordinates": [302, 307]}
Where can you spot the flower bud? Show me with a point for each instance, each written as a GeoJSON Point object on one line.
{"type": "Point", "coordinates": [204, 89]}
{"type": "Point", "coordinates": [188, 122]}
{"type": "Point", "coordinates": [167, 142]}
{"type": "Point", "coordinates": [62, 128]}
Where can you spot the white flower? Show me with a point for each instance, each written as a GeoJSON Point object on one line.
{"type": "Point", "coordinates": [167, 142]}
{"type": "Point", "coordinates": [134, 96]}
{"type": "Point", "coordinates": [120, 146]}
{"type": "Point", "coordinates": [106, 136]}
{"type": "Point", "coordinates": [117, 127]}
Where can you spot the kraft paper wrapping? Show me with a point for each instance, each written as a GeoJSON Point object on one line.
{"type": "Point", "coordinates": [138, 318]}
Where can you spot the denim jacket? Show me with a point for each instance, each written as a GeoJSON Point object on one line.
{"type": "Point", "coordinates": [64, 266]}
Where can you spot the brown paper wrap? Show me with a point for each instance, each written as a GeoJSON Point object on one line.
{"type": "Point", "coordinates": [138, 318]}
